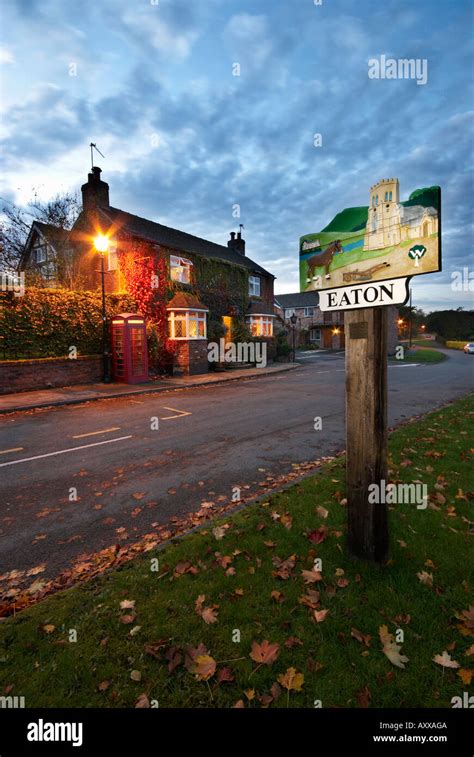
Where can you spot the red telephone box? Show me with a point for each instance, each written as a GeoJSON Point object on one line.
{"type": "Point", "coordinates": [129, 349]}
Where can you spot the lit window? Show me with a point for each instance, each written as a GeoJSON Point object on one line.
{"type": "Point", "coordinates": [254, 286]}
{"type": "Point", "coordinates": [112, 260]}
{"type": "Point", "coordinates": [180, 269]}
{"type": "Point", "coordinates": [187, 324]}
{"type": "Point", "coordinates": [261, 325]}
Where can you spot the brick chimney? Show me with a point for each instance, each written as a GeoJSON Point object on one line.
{"type": "Point", "coordinates": [236, 242]}
{"type": "Point", "coordinates": [95, 194]}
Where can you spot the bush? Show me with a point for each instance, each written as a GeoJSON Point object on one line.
{"type": "Point", "coordinates": [47, 322]}
{"type": "Point", "coordinates": [456, 345]}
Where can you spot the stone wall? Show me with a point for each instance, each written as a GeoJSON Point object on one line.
{"type": "Point", "coordinates": [46, 373]}
{"type": "Point", "coordinates": [190, 357]}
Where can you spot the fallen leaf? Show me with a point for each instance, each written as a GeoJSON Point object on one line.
{"type": "Point", "coordinates": [318, 535]}
{"type": "Point", "coordinates": [127, 604]}
{"type": "Point", "coordinates": [445, 660]}
{"type": "Point", "coordinates": [425, 578]}
{"type": "Point", "coordinates": [363, 638]}
{"type": "Point", "coordinates": [142, 701]}
{"type": "Point", "coordinates": [363, 697]}
{"type": "Point", "coordinates": [390, 649]}
{"type": "Point", "coordinates": [126, 619]}
{"type": "Point", "coordinates": [264, 653]}
{"type": "Point", "coordinates": [311, 576]}
{"type": "Point", "coordinates": [465, 675]}
{"type": "Point", "coordinates": [204, 667]}
{"type": "Point", "coordinates": [320, 615]}
{"type": "Point", "coordinates": [291, 680]}
{"type": "Point", "coordinates": [208, 614]}
{"type": "Point", "coordinates": [135, 675]}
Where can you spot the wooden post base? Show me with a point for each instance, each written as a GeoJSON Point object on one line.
{"type": "Point", "coordinates": [366, 430]}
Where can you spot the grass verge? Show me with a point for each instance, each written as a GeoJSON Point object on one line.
{"type": "Point", "coordinates": [422, 355]}
{"type": "Point", "coordinates": [82, 648]}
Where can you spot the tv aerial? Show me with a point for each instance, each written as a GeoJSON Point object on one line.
{"type": "Point", "coordinates": [93, 147]}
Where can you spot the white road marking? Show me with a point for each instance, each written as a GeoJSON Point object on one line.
{"type": "Point", "coordinates": [181, 413]}
{"type": "Point", "coordinates": [93, 433]}
{"type": "Point", "coordinates": [14, 449]}
{"type": "Point", "coordinates": [63, 451]}
{"type": "Point", "coordinates": [403, 365]}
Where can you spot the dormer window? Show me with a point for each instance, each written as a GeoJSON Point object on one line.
{"type": "Point", "coordinates": [180, 269]}
{"type": "Point", "coordinates": [39, 253]}
{"type": "Point", "coordinates": [254, 286]}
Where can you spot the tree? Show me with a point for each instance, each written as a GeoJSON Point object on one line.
{"type": "Point", "coordinates": [60, 212]}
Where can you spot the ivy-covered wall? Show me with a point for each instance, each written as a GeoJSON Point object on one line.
{"type": "Point", "coordinates": [48, 322]}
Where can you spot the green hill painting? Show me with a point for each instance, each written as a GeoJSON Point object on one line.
{"type": "Point", "coordinates": [387, 239]}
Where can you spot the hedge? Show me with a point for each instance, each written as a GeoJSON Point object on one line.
{"type": "Point", "coordinates": [48, 322]}
{"type": "Point", "coordinates": [456, 345]}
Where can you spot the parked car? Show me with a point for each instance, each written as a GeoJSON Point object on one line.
{"type": "Point", "coordinates": [469, 348]}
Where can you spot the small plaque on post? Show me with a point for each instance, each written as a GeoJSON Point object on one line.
{"type": "Point", "coordinates": [359, 330]}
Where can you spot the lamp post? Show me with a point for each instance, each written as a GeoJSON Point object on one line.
{"type": "Point", "coordinates": [101, 244]}
{"type": "Point", "coordinates": [293, 320]}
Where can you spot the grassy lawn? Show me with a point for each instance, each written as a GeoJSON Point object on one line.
{"type": "Point", "coordinates": [423, 355]}
{"type": "Point", "coordinates": [158, 646]}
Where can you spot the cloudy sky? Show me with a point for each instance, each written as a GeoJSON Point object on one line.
{"type": "Point", "coordinates": [153, 83]}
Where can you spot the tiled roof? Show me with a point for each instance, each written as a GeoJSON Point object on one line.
{"type": "Point", "coordinates": [185, 300]}
{"type": "Point", "coordinates": [259, 308]}
{"type": "Point", "coordinates": [298, 300]}
{"type": "Point", "coordinates": [177, 240]}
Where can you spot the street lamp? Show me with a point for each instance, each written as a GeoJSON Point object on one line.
{"type": "Point", "coordinates": [293, 319]}
{"type": "Point", "coordinates": [101, 244]}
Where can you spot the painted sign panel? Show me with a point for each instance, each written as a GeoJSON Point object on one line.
{"type": "Point", "coordinates": [388, 239]}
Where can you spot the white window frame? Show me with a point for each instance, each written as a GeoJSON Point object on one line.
{"type": "Point", "coordinates": [289, 312]}
{"type": "Point", "coordinates": [38, 250]}
{"type": "Point", "coordinates": [315, 339]}
{"type": "Point", "coordinates": [254, 286]}
{"type": "Point", "coordinates": [187, 316]}
{"type": "Point", "coordinates": [180, 269]}
{"type": "Point", "coordinates": [262, 320]}
{"type": "Point", "coordinates": [308, 314]}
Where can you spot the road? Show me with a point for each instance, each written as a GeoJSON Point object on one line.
{"type": "Point", "coordinates": [129, 475]}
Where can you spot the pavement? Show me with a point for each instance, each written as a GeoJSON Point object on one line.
{"type": "Point", "coordinates": [135, 462]}
{"type": "Point", "coordinates": [71, 395]}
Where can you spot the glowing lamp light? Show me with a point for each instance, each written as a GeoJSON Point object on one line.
{"type": "Point", "coordinates": [101, 243]}
{"type": "Point", "coordinates": [335, 332]}
{"type": "Point", "coordinates": [400, 321]}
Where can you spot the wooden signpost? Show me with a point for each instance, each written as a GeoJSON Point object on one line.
{"type": "Point", "coordinates": [366, 430]}
{"type": "Point", "coordinates": [348, 263]}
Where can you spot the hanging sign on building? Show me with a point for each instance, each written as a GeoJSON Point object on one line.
{"type": "Point", "coordinates": [366, 255]}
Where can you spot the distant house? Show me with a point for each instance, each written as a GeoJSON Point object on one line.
{"type": "Point", "coordinates": [46, 250]}
{"type": "Point", "coordinates": [312, 326]}
{"type": "Point", "coordinates": [233, 287]}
